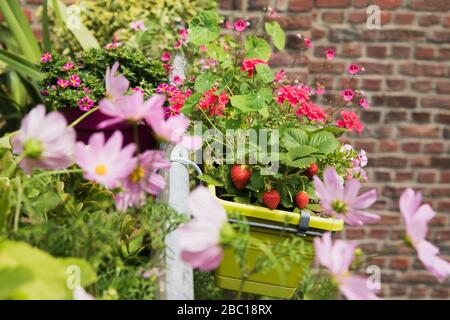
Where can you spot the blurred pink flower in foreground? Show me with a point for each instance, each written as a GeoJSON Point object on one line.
{"type": "Point", "coordinates": [337, 258]}
{"type": "Point", "coordinates": [199, 239]}
{"type": "Point", "coordinates": [105, 163]}
{"type": "Point", "coordinates": [343, 201]}
{"type": "Point", "coordinates": [44, 140]}
{"type": "Point", "coordinates": [131, 108]}
{"type": "Point", "coordinates": [308, 43]}
{"type": "Point", "coordinates": [416, 218]}
{"type": "Point", "coordinates": [116, 86]}
{"type": "Point", "coordinates": [143, 179]}
{"type": "Point", "coordinates": [173, 129]}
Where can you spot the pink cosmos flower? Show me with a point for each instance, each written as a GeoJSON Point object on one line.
{"type": "Point", "coordinates": [308, 43]}
{"type": "Point", "coordinates": [416, 218]}
{"type": "Point", "coordinates": [75, 81]}
{"type": "Point", "coordinates": [138, 25]}
{"type": "Point", "coordinates": [337, 258]}
{"type": "Point", "coordinates": [348, 94]}
{"type": "Point", "coordinates": [46, 57]}
{"type": "Point", "coordinates": [45, 139]}
{"type": "Point", "coordinates": [350, 120]}
{"type": "Point", "coordinates": [228, 25]}
{"type": "Point", "coordinates": [106, 163]}
{"type": "Point", "coordinates": [85, 104]}
{"type": "Point", "coordinates": [63, 83]}
{"type": "Point", "coordinates": [131, 108]}
{"type": "Point", "coordinates": [364, 103]}
{"type": "Point", "coordinates": [177, 80]}
{"type": "Point", "coordinates": [143, 179]}
{"type": "Point", "coordinates": [68, 66]}
{"type": "Point", "coordinates": [330, 53]}
{"type": "Point", "coordinates": [240, 25]}
{"type": "Point", "coordinates": [116, 86]}
{"type": "Point", "coordinates": [165, 56]}
{"type": "Point", "coordinates": [173, 129]}
{"type": "Point", "coordinates": [199, 239]}
{"type": "Point", "coordinates": [343, 201]}
{"type": "Point", "coordinates": [353, 69]}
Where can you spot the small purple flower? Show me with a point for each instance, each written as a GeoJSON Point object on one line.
{"type": "Point", "coordinates": [348, 94]}
{"type": "Point", "coordinates": [85, 104]}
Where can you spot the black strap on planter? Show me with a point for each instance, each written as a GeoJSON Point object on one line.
{"type": "Point", "coordinates": [303, 225]}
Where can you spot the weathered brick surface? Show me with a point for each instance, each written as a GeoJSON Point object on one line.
{"type": "Point", "coordinates": [408, 127]}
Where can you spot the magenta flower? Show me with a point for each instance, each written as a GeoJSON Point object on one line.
{"type": "Point", "coordinates": [342, 201]}
{"type": "Point", "coordinates": [45, 141]}
{"type": "Point", "coordinates": [46, 57]}
{"type": "Point", "coordinates": [116, 86]}
{"type": "Point", "coordinates": [106, 163]}
{"type": "Point", "coordinates": [165, 56]}
{"type": "Point", "coordinates": [131, 108]}
{"type": "Point", "coordinates": [364, 103]}
{"type": "Point", "coordinates": [351, 121]}
{"type": "Point", "coordinates": [140, 90]}
{"type": "Point", "coordinates": [75, 81]}
{"type": "Point", "coordinates": [63, 83]}
{"type": "Point", "coordinates": [68, 66]}
{"type": "Point", "coordinates": [173, 129]}
{"type": "Point", "coordinates": [416, 218]}
{"type": "Point", "coordinates": [280, 75]}
{"type": "Point", "coordinates": [200, 239]}
{"type": "Point", "coordinates": [162, 88]}
{"type": "Point", "coordinates": [177, 80]}
{"type": "Point", "coordinates": [337, 258]}
{"type": "Point", "coordinates": [308, 43]}
{"type": "Point", "coordinates": [240, 25]}
{"type": "Point", "coordinates": [354, 69]}
{"type": "Point", "coordinates": [228, 25]}
{"type": "Point", "coordinates": [183, 34]}
{"type": "Point", "coordinates": [178, 44]}
{"type": "Point", "coordinates": [348, 94]}
{"type": "Point", "coordinates": [330, 53]}
{"type": "Point", "coordinates": [85, 104]}
{"type": "Point", "coordinates": [138, 25]}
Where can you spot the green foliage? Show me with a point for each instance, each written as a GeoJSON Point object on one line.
{"type": "Point", "coordinates": [90, 67]}
{"type": "Point", "coordinates": [204, 28]}
{"type": "Point", "coordinates": [276, 32]}
{"type": "Point", "coordinates": [316, 286]}
{"type": "Point", "coordinates": [29, 273]}
{"type": "Point", "coordinates": [257, 48]}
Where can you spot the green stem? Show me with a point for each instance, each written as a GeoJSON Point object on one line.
{"type": "Point", "coordinates": [85, 115]}
{"type": "Point", "coordinates": [12, 168]}
{"type": "Point", "coordinates": [18, 205]}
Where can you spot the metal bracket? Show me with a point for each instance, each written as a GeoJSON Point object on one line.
{"type": "Point", "coordinates": [303, 224]}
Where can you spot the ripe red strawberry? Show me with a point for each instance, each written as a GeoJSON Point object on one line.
{"type": "Point", "coordinates": [271, 199]}
{"type": "Point", "coordinates": [312, 171]}
{"type": "Point", "coordinates": [240, 175]}
{"type": "Point", "coordinates": [301, 199]}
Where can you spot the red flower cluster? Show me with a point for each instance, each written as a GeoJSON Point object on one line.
{"type": "Point", "coordinates": [350, 120]}
{"type": "Point", "coordinates": [293, 94]}
{"type": "Point", "coordinates": [176, 98]}
{"type": "Point", "coordinates": [311, 111]}
{"type": "Point", "coordinates": [215, 104]}
{"type": "Point", "coordinates": [250, 64]}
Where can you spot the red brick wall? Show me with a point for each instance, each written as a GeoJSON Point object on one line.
{"type": "Point", "coordinates": [407, 128]}
{"type": "Point", "coordinates": [406, 77]}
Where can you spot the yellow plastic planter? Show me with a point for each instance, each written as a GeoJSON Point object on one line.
{"type": "Point", "coordinates": [265, 225]}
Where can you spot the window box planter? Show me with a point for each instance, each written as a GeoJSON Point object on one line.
{"type": "Point", "coordinates": [273, 226]}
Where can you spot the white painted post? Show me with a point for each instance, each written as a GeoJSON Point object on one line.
{"type": "Point", "coordinates": [177, 283]}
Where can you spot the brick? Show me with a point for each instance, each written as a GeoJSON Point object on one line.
{"type": "Point", "coordinates": [377, 233]}
{"type": "Point", "coordinates": [371, 84]}
{"type": "Point", "coordinates": [404, 176]}
{"type": "Point", "coordinates": [443, 206]}
{"type": "Point", "coordinates": [440, 37]}
{"type": "Point", "coordinates": [396, 101]}
{"type": "Point", "coordinates": [445, 177]}
{"type": "Point", "coordinates": [444, 54]}
{"type": "Point", "coordinates": [443, 87]}
{"type": "Point", "coordinates": [418, 131]}
{"type": "Point", "coordinates": [442, 118]}
{"type": "Point", "coordinates": [395, 84]}
{"type": "Point", "coordinates": [333, 3]}
{"type": "Point", "coordinates": [420, 162]}
{"type": "Point", "coordinates": [432, 70]}
{"type": "Point", "coordinates": [404, 18]}
{"type": "Point", "coordinates": [351, 50]}
{"type": "Point", "coordinates": [382, 176]}
{"type": "Point", "coordinates": [376, 51]}
{"type": "Point", "coordinates": [427, 5]}
{"type": "Point", "coordinates": [397, 290]}
{"type": "Point", "coordinates": [398, 35]}
{"type": "Point", "coordinates": [440, 293]}
{"type": "Point", "coordinates": [226, 4]}
{"type": "Point", "coordinates": [434, 147]}
{"type": "Point", "coordinates": [387, 4]}
{"type": "Point", "coordinates": [446, 22]}
{"type": "Point", "coordinates": [401, 52]}
{"type": "Point", "coordinates": [422, 86]}
{"type": "Point", "coordinates": [370, 116]}
{"type": "Point", "coordinates": [421, 117]}
{"type": "Point", "coordinates": [419, 291]}
{"type": "Point", "coordinates": [424, 53]}
{"type": "Point", "coordinates": [300, 5]}
{"type": "Point", "coordinates": [395, 116]}
{"type": "Point", "coordinates": [369, 146]}
{"type": "Point", "coordinates": [333, 17]}
{"type": "Point", "coordinates": [428, 20]}
{"type": "Point", "coordinates": [388, 146]}
{"type": "Point", "coordinates": [441, 162]}
{"type": "Point", "coordinates": [400, 263]}
{"type": "Point", "coordinates": [388, 162]}
{"type": "Point", "coordinates": [295, 22]}
{"type": "Point", "coordinates": [258, 4]}
{"type": "Point", "coordinates": [436, 102]}
{"type": "Point", "coordinates": [411, 147]}
{"type": "Point", "coordinates": [426, 177]}
{"type": "Point", "coordinates": [355, 233]}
